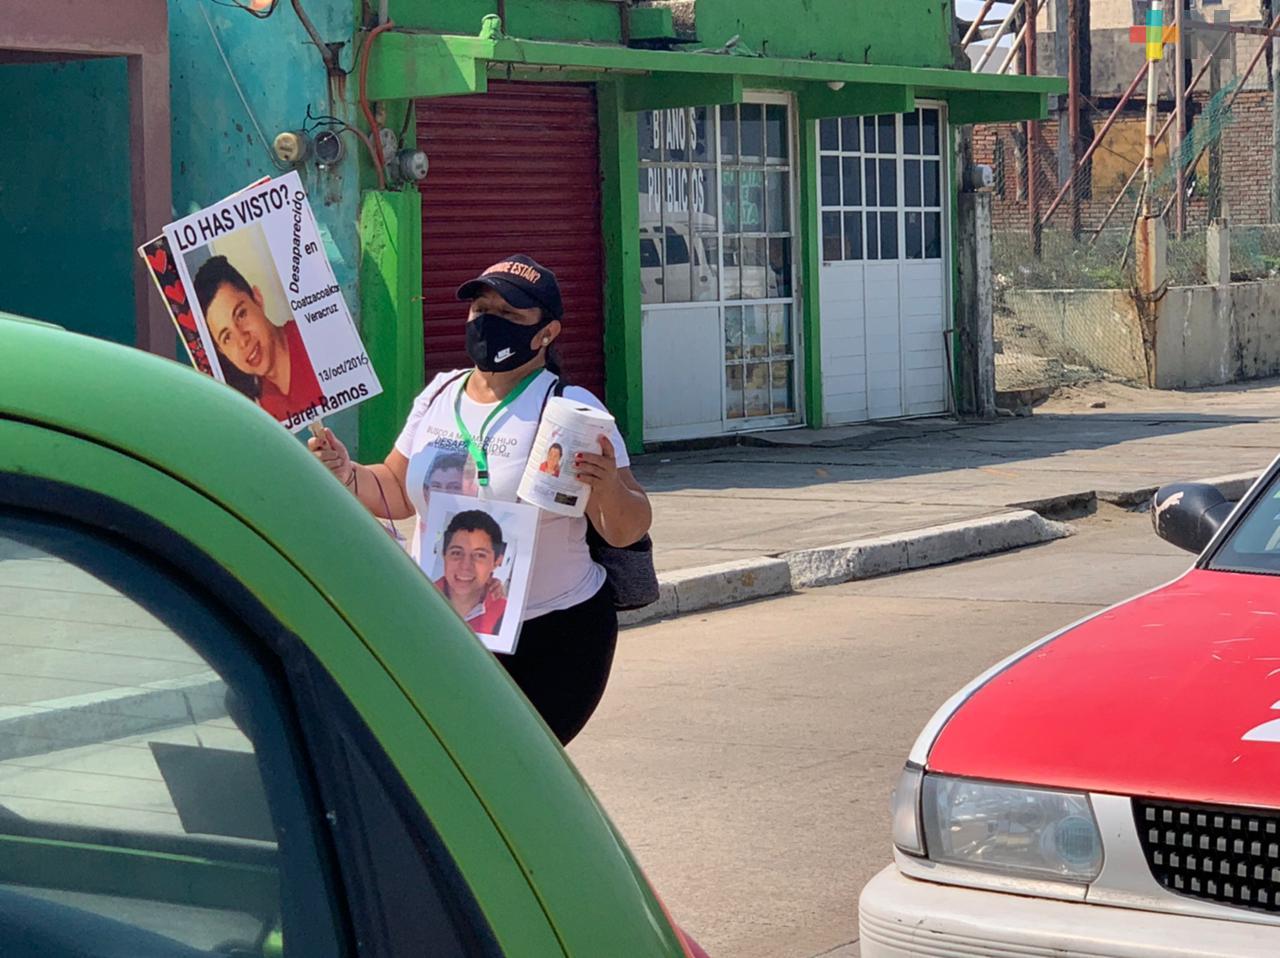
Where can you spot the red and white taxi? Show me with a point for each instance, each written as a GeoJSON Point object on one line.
{"type": "Point", "coordinates": [1114, 789]}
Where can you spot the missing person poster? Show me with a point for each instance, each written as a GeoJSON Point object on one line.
{"type": "Point", "coordinates": [164, 271]}
{"type": "Point", "coordinates": [266, 304]}
{"type": "Point", "coordinates": [479, 553]}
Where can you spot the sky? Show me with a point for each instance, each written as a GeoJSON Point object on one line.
{"type": "Point", "coordinates": [970, 8]}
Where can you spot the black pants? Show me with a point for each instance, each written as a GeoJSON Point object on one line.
{"type": "Point", "coordinates": [563, 660]}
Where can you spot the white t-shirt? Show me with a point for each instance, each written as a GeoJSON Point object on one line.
{"type": "Point", "coordinates": [563, 574]}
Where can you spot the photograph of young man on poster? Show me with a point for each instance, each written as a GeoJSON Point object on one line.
{"type": "Point", "coordinates": [479, 554]}
{"type": "Point", "coordinates": [264, 360]}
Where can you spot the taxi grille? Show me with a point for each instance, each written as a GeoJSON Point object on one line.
{"type": "Point", "coordinates": [1215, 852]}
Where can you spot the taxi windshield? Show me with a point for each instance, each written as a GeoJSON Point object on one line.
{"type": "Point", "coordinates": [1254, 545]}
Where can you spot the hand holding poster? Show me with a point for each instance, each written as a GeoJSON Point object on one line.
{"type": "Point", "coordinates": [270, 315]}
{"type": "Point", "coordinates": [479, 555]}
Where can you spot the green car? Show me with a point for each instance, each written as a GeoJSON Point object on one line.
{"type": "Point", "coordinates": [235, 718]}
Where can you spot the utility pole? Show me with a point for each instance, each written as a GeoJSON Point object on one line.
{"type": "Point", "coordinates": [1149, 154]}
{"type": "Point", "coordinates": [1180, 119]}
{"type": "Point", "coordinates": [1270, 6]}
{"type": "Point", "coordinates": [1150, 240]}
{"type": "Point", "coordinates": [1033, 131]}
{"type": "Point", "coordinates": [1215, 141]}
{"type": "Point", "coordinates": [1073, 109]}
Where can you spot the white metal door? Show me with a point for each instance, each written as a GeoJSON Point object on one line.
{"type": "Point", "coordinates": [884, 283]}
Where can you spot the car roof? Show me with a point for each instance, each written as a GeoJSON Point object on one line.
{"type": "Point", "coordinates": [214, 440]}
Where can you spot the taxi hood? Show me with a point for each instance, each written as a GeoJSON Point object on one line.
{"type": "Point", "coordinates": [1175, 694]}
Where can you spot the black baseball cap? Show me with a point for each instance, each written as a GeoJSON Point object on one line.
{"type": "Point", "coordinates": [522, 281]}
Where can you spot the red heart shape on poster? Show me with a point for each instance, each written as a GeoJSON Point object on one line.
{"type": "Point", "coordinates": [184, 320]}
{"type": "Point", "coordinates": [159, 260]}
{"type": "Point", "coordinates": [176, 292]}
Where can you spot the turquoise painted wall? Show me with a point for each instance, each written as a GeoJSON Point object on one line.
{"type": "Point", "coordinates": [66, 228]}
{"type": "Point", "coordinates": [216, 149]}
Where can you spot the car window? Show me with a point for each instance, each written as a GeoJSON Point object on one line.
{"type": "Point", "coordinates": [1254, 544]}
{"type": "Point", "coordinates": [649, 258]}
{"type": "Point", "coordinates": [677, 248]}
{"type": "Point", "coordinates": [153, 799]}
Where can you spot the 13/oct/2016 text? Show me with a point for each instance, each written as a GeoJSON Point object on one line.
{"type": "Point", "coordinates": [346, 366]}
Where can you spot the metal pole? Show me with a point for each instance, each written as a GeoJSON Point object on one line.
{"type": "Point", "coordinates": [1073, 109]}
{"type": "Point", "coordinates": [1013, 50]}
{"type": "Point", "coordinates": [1179, 121]}
{"type": "Point", "coordinates": [1215, 152]}
{"type": "Point", "coordinates": [1275, 123]}
{"type": "Point", "coordinates": [1097, 140]}
{"type": "Point", "coordinates": [978, 21]}
{"type": "Point", "coordinates": [1149, 154]}
{"type": "Point", "coordinates": [1061, 29]}
{"type": "Point", "coordinates": [1033, 133]}
{"type": "Point", "coordinates": [995, 40]}
{"type": "Point", "coordinates": [1235, 94]}
{"type": "Point", "coordinates": [1195, 82]}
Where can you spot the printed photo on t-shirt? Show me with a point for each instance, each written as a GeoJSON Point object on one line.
{"type": "Point", "coordinates": [478, 554]}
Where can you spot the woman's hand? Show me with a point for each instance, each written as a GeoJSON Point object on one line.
{"type": "Point", "coordinates": [333, 454]}
{"type": "Point", "coordinates": [618, 507]}
{"type": "Point", "coordinates": [599, 472]}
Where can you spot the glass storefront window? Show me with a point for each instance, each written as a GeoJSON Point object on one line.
{"type": "Point", "coordinates": [679, 224]}
{"type": "Point", "coordinates": [716, 226]}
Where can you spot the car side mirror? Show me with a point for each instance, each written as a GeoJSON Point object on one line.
{"type": "Point", "coordinates": [1189, 514]}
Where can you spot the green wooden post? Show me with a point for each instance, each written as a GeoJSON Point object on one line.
{"type": "Point", "coordinates": [810, 265]}
{"type": "Point", "coordinates": [620, 216]}
{"type": "Point", "coordinates": [390, 312]}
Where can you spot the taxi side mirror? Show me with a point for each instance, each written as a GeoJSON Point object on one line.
{"type": "Point", "coordinates": [1189, 514]}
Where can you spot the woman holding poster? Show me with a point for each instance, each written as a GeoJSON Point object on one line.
{"type": "Point", "coordinates": [491, 413]}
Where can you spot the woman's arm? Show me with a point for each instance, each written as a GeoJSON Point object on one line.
{"type": "Point", "coordinates": [618, 507]}
{"type": "Point", "coordinates": [380, 487]}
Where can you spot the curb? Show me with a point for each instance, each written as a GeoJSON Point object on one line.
{"type": "Point", "coordinates": [684, 591]}
{"type": "Point", "coordinates": [708, 587]}
{"type": "Point", "coordinates": [935, 545]}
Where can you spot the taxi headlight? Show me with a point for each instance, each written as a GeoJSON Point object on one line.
{"type": "Point", "coordinates": [1011, 829]}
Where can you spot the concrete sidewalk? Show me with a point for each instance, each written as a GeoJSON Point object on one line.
{"type": "Point", "coordinates": [805, 491]}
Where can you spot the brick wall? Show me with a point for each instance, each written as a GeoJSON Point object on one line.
{"type": "Point", "coordinates": [1246, 168]}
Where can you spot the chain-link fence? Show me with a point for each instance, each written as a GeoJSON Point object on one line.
{"type": "Point", "coordinates": [1069, 303]}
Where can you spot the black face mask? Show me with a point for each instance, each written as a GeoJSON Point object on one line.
{"type": "Point", "coordinates": [497, 345]}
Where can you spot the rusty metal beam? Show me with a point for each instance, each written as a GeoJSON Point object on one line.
{"type": "Point", "coordinates": [1195, 82]}
{"type": "Point", "coordinates": [978, 22]}
{"type": "Point", "coordinates": [1097, 140]}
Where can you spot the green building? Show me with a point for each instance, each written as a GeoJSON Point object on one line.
{"type": "Point", "coordinates": [750, 203]}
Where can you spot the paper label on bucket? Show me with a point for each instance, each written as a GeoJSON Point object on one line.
{"type": "Point", "coordinates": [567, 428]}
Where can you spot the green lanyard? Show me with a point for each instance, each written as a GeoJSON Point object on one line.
{"type": "Point", "coordinates": [475, 445]}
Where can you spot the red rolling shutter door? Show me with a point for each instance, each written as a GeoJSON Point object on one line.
{"type": "Point", "coordinates": [515, 170]}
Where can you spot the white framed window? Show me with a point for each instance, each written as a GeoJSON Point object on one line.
{"type": "Point", "coordinates": [881, 186]}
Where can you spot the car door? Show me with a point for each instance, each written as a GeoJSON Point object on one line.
{"type": "Point", "coordinates": [180, 774]}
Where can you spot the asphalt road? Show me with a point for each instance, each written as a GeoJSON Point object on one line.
{"type": "Point", "coordinates": [748, 754]}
